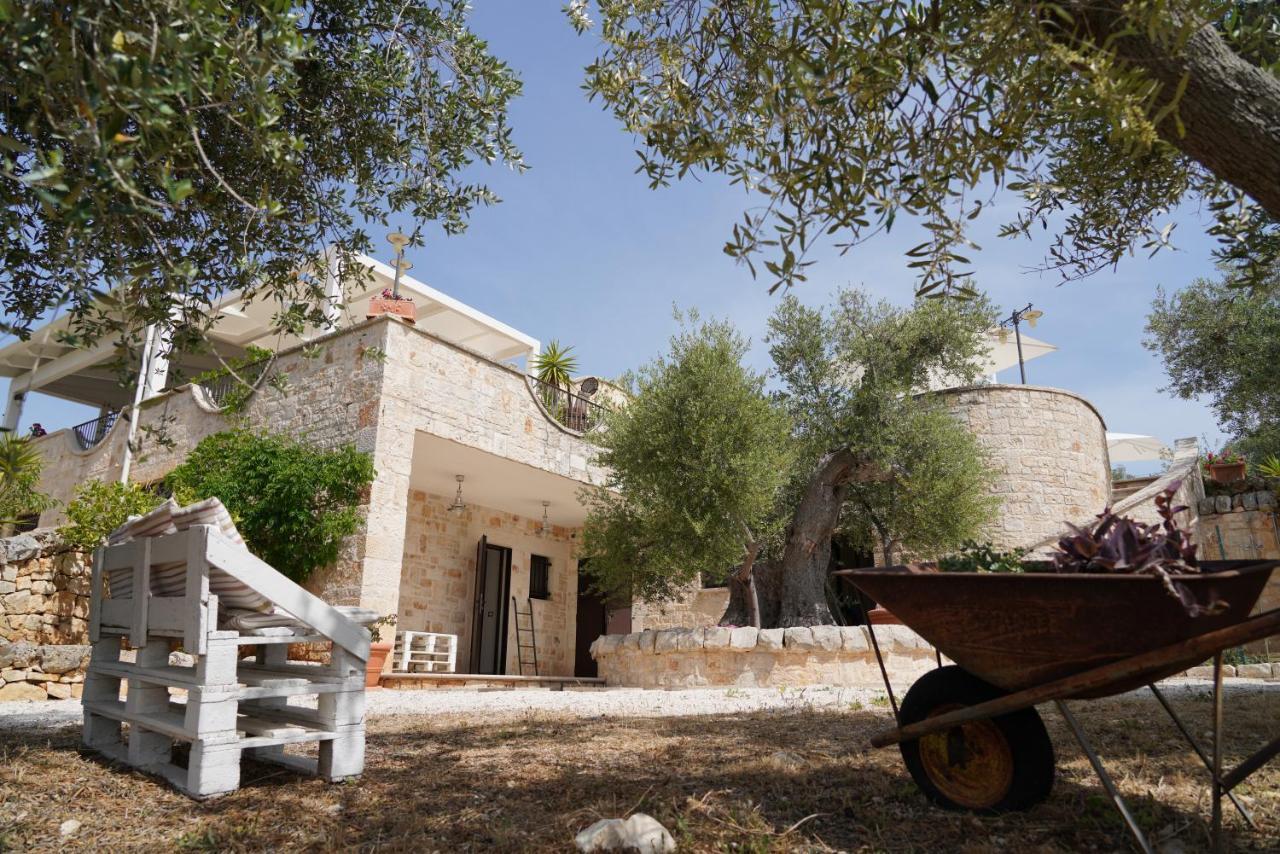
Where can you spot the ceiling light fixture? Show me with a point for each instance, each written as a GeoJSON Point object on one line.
{"type": "Point", "coordinates": [458, 504]}
{"type": "Point", "coordinates": [545, 527]}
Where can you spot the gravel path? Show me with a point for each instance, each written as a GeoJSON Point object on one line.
{"type": "Point", "coordinates": [612, 702]}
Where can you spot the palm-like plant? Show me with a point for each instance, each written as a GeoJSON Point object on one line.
{"type": "Point", "coordinates": [20, 465]}
{"type": "Point", "coordinates": [555, 367]}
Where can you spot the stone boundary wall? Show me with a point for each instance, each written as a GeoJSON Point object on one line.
{"type": "Point", "coordinates": [44, 618]}
{"type": "Point", "coordinates": [746, 657]}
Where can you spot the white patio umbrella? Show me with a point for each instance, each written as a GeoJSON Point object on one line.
{"type": "Point", "coordinates": [1134, 447]}
{"type": "Point", "coordinates": [1000, 354]}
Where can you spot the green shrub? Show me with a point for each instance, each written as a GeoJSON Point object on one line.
{"type": "Point", "coordinates": [99, 508]}
{"type": "Point", "coordinates": [982, 557]}
{"type": "Point", "coordinates": [293, 503]}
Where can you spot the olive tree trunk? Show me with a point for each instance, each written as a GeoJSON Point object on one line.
{"type": "Point", "coordinates": [806, 558]}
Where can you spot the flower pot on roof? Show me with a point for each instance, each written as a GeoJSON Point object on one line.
{"type": "Point", "coordinates": [1227, 466]}
{"type": "Point", "coordinates": [389, 302]}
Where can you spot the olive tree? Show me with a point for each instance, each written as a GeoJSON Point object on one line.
{"type": "Point", "coordinates": [695, 461]}
{"type": "Point", "coordinates": [842, 117]}
{"type": "Point", "coordinates": [876, 452]}
{"type": "Point", "coordinates": [155, 154]}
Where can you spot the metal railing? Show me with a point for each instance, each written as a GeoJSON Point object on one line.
{"type": "Point", "coordinates": [90, 433]}
{"type": "Point", "coordinates": [573, 410]}
{"type": "Point", "coordinates": [220, 388]}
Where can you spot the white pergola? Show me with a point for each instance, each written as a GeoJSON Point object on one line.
{"type": "Point", "coordinates": [45, 364]}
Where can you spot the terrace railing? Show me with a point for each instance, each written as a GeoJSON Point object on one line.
{"type": "Point", "coordinates": [569, 407]}
{"type": "Point", "coordinates": [90, 433]}
{"type": "Point", "coordinates": [224, 387]}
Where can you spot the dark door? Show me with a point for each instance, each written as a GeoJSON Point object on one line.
{"type": "Point", "coordinates": [595, 618]}
{"type": "Point", "coordinates": [489, 632]}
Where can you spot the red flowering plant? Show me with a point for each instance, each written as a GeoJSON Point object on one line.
{"type": "Point", "coordinates": [389, 294]}
{"type": "Point", "coordinates": [1225, 457]}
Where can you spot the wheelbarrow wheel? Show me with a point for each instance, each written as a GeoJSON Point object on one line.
{"type": "Point", "coordinates": [993, 765]}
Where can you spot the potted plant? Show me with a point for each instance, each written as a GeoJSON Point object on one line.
{"type": "Point", "coordinates": [390, 302]}
{"type": "Point", "coordinates": [1226, 466]}
{"type": "Point", "coordinates": [379, 649]}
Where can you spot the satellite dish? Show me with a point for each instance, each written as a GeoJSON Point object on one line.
{"type": "Point", "coordinates": [589, 386]}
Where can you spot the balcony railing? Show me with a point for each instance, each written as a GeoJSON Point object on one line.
{"type": "Point", "coordinates": [573, 408]}
{"type": "Point", "coordinates": [224, 387]}
{"type": "Point", "coordinates": [90, 433]}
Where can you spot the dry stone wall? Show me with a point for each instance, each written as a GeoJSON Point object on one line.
{"type": "Point", "coordinates": [44, 610]}
{"type": "Point", "coordinates": [757, 658]}
{"type": "Point", "coordinates": [698, 607]}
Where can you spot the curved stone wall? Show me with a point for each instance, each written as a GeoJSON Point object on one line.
{"type": "Point", "coordinates": [1050, 447]}
{"type": "Point", "coordinates": [757, 658]}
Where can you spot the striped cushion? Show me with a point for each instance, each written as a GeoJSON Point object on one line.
{"type": "Point", "coordinates": [170, 579]}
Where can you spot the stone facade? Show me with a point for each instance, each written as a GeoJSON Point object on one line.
{"type": "Point", "coordinates": [1050, 449]}
{"type": "Point", "coordinates": [758, 658]}
{"type": "Point", "coordinates": [374, 385]}
{"type": "Point", "coordinates": [438, 580]}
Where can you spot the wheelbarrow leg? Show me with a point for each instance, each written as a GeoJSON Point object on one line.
{"type": "Point", "coordinates": [1107, 784]}
{"type": "Point", "coordinates": [1217, 752]}
{"type": "Point", "coordinates": [1204, 757]}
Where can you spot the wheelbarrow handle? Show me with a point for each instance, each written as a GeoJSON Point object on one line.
{"type": "Point", "coordinates": [1097, 679]}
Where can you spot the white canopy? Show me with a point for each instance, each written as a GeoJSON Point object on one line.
{"type": "Point", "coordinates": [1134, 447]}
{"type": "Point", "coordinates": [1000, 355]}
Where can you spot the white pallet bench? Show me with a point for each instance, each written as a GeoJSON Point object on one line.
{"type": "Point", "coordinates": [232, 705]}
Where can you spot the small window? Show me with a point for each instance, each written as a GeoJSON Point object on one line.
{"type": "Point", "coordinates": [539, 577]}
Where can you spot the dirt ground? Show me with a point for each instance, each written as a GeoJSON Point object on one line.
{"type": "Point", "coordinates": [766, 781]}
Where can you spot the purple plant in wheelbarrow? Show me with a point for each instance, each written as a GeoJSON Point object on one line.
{"type": "Point", "coordinates": [1118, 544]}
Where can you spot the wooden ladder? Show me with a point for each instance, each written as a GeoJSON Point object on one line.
{"type": "Point", "coordinates": [521, 630]}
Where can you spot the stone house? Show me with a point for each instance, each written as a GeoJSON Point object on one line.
{"type": "Point", "coordinates": [475, 502]}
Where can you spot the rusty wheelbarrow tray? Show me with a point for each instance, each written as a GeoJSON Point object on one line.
{"type": "Point", "coordinates": [969, 733]}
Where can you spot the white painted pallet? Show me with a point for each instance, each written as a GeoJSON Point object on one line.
{"type": "Point", "coordinates": [232, 705]}
{"type": "Point", "coordinates": [425, 652]}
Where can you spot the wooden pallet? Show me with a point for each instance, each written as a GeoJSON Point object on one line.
{"type": "Point", "coordinates": [232, 705]}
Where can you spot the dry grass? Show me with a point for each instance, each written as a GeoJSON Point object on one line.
{"type": "Point", "coordinates": [718, 783]}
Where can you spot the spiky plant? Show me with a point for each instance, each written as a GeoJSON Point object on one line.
{"type": "Point", "coordinates": [555, 367]}
{"type": "Point", "coordinates": [20, 465]}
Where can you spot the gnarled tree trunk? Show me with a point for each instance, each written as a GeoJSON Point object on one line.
{"type": "Point", "coordinates": [807, 556]}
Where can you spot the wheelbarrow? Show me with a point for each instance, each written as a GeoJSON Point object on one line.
{"type": "Point", "coordinates": [970, 734]}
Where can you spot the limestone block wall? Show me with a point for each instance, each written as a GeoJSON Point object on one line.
{"type": "Point", "coordinates": [758, 658]}
{"type": "Point", "coordinates": [698, 607]}
{"type": "Point", "coordinates": [1050, 449]}
{"type": "Point", "coordinates": [437, 584]}
{"type": "Point", "coordinates": [1245, 535]}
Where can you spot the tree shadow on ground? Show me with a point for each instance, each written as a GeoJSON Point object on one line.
{"type": "Point", "coordinates": [763, 781]}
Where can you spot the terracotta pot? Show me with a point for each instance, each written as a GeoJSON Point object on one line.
{"type": "Point", "coordinates": [879, 616]}
{"type": "Point", "coordinates": [402, 308]}
{"type": "Point", "coordinates": [378, 653]}
{"type": "Point", "coordinates": [1227, 472]}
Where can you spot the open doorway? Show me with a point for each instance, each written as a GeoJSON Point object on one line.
{"type": "Point", "coordinates": [595, 618]}
{"type": "Point", "coordinates": [489, 624]}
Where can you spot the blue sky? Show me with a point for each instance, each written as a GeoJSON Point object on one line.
{"type": "Point", "coordinates": [582, 251]}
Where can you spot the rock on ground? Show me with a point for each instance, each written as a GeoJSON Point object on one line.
{"type": "Point", "coordinates": [641, 833]}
